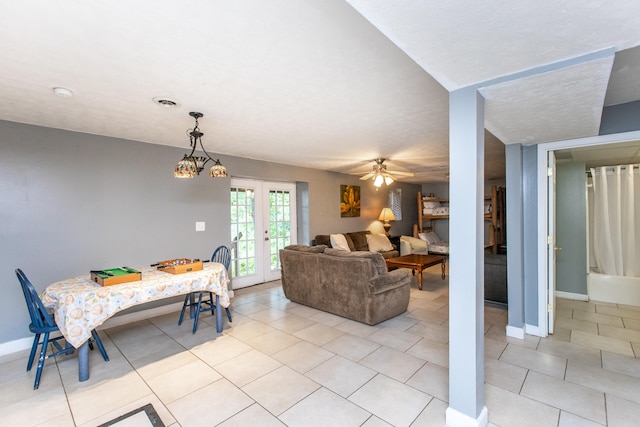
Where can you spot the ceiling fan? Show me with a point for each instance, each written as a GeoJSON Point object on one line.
{"type": "Point", "coordinates": [381, 175]}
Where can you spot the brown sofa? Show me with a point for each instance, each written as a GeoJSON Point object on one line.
{"type": "Point", "coordinates": [356, 240]}
{"type": "Point", "coordinates": [355, 285]}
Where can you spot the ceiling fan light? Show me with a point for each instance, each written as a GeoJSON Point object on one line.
{"type": "Point", "coordinates": [377, 182]}
{"type": "Point", "coordinates": [388, 179]}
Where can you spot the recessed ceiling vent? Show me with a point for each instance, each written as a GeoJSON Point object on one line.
{"type": "Point", "coordinates": [165, 102]}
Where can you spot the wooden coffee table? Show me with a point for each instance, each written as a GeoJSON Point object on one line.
{"type": "Point", "coordinates": [418, 262]}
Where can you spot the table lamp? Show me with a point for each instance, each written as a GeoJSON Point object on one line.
{"type": "Point", "coordinates": [386, 215]}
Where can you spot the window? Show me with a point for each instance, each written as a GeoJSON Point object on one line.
{"type": "Point", "coordinates": [395, 202]}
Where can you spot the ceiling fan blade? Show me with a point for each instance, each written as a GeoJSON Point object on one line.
{"type": "Point", "coordinates": [367, 176]}
{"type": "Point", "coordinates": [400, 173]}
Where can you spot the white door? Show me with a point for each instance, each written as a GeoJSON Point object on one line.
{"type": "Point", "coordinates": [263, 221]}
{"type": "Point", "coordinates": [551, 242]}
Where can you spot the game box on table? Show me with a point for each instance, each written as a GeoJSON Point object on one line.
{"type": "Point", "coordinates": [179, 265]}
{"type": "Point", "coordinates": [115, 276]}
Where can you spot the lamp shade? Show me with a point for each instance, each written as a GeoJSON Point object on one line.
{"type": "Point", "coordinates": [386, 215]}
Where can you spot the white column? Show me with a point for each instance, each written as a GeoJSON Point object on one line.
{"type": "Point", "coordinates": [466, 280]}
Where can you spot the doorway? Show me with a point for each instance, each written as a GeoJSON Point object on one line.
{"type": "Point", "coordinates": [600, 143]}
{"type": "Point", "coordinates": [263, 221]}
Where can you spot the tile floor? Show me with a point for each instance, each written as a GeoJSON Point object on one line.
{"type": "Point", "coordinates": [281, 363]}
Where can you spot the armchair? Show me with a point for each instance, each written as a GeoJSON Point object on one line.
{"type": "Point", "coordinates": [412, 245]}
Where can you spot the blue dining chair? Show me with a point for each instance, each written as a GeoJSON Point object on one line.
{"type": "Point", "coordinates": [42, 324]}
{"type": "Point", "coordinates": [222, 254]}
{"type": "Point", "coordinates": [203, 301]}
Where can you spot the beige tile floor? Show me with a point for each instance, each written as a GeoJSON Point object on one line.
{"type": "Point", "coordinates": [281, 363]}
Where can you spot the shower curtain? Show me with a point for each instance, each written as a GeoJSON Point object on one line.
{"type": "Point", "coordinates": [615, 237]}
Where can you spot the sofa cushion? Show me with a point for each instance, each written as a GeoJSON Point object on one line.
{"type": "Point", "coordinates": [338, 241]}
{"type": "Point", "coordinates": [322, 239]}
{"type": "Point", "coordinates": [304, 248]}
{"type": "Point", "coordinates": [359, 240]}
{"type": "Point", "coordinates": [378, 260]}
{"type": "Point", "coordinates": [378, 243]}
{"type": "Point", "coordinates": [325, 239]}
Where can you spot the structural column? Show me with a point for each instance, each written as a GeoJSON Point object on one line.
{"type": "Point", "coordinates": [515, 241]}
{"type": "Point", "coordinates": [466, 280]}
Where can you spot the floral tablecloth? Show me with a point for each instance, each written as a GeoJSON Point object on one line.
{"type": "Point", "coordinates": [81, 305]}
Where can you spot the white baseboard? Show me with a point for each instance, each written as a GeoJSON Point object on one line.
{"type": "Point", "coordinates": [571, 295]}
{"type": "Point", "coordinates": [535, 330]}
{"type": "Point", "coordinates": [458, 419]}
{"type": "Point", "coordinates": [515, 332]}
{"type": "Point", "coordinates": [15, 346]}
{"type": "Point", "coordinates": [25, 343]}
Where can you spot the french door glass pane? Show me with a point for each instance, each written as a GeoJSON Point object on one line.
{"type": "Point", "coordinates": [279, 224]}
{"type": "Point", "coordinates": [243, 221]}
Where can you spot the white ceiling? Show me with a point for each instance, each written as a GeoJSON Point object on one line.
{"type": "Point", "coordinates": [328, 84]}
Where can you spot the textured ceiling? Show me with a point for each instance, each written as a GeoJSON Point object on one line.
{"type": "Point", "coordinates": [623, 153]}
{"type": "Point", "coordinates": [326, 84]}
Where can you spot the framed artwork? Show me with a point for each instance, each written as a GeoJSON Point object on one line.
{"type": "Point", "coordinates": [349, 201]}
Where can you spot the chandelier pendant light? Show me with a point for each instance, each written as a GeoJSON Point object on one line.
{"type": "Point", "coordinates": [191, 165]}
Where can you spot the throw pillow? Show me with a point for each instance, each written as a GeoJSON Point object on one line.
{"type": "Point", "coordinates": [378, 243]}
{"type": "Point", "coordinates": [430, 237]}
{"type": "Point", "coordinates": [338, 241]}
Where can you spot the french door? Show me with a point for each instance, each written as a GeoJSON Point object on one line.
{"type": "Point", "coordinates": [263, 221]}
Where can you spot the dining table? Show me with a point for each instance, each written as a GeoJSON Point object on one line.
{"type": "Point", "coordinates": [80, 305]}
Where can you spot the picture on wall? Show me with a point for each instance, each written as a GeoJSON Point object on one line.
{"type": "Point", "coordinates": [349, 201]}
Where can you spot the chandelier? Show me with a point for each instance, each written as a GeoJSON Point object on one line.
{"type": "Point", "coordinates": [191, 165]}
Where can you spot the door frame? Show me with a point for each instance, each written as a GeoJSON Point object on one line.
{"type": "Point", "coordinates": [542, 329]}
{"type": "Point", "coordinates": [551, 240]}
{"type": "Point", "coordinates": [262, 190]}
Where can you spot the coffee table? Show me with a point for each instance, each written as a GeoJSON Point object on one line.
{"type": "Point", "coordinates": [418, 262]}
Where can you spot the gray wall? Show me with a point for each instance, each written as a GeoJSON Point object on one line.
{"type": "Point", "coordinates": [71, 202]}
{"type": "Point", "coordinates": [530, 232]}
{"type": "Point", "coordinates": [620, 118]}
{"type": "Point", "coordinates": [571, 228]}
{"type": "Point", "coordinates": [515, 235]}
